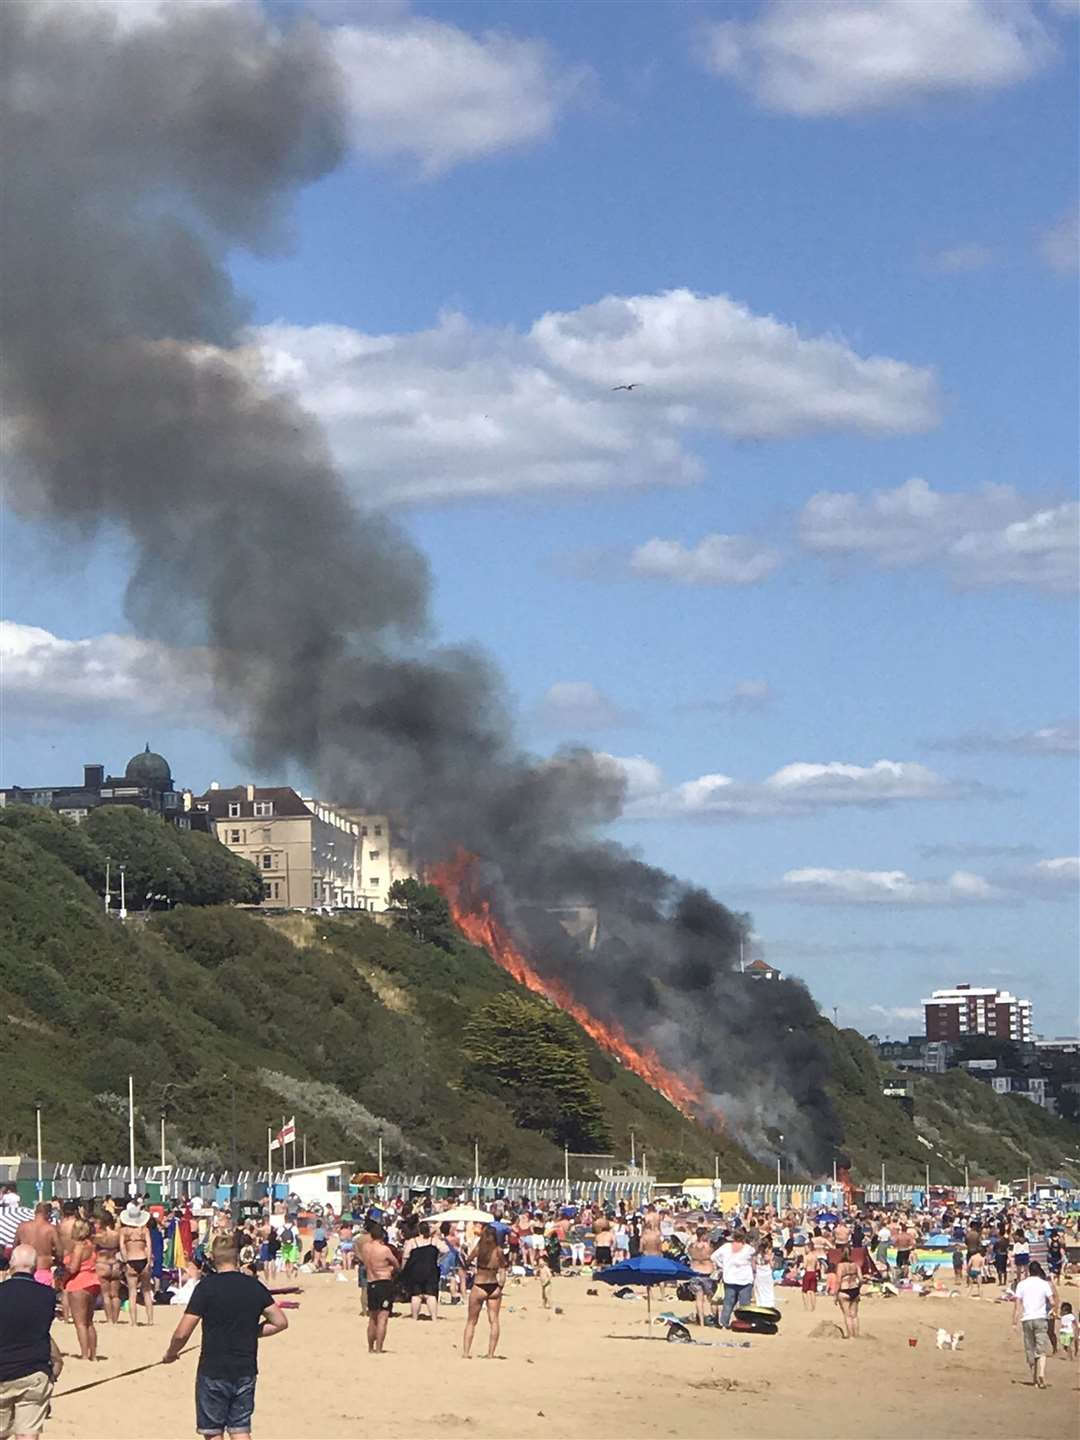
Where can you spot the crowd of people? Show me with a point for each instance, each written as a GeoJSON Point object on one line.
{"type": "Point", "coordinates": [113, 1262]}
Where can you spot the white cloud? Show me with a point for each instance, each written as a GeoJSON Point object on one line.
{"type": "Point", "coordinates": [714, 560]}
{"type": "Point", "coordinates": [464, 410]}
{"type": "Point", "coordinates": [962, 259]}
{"type": "Point", "coordinates": [428, 90]}
{"type": "Point", "coordinates": [797, 789]}
{"type": "Point", "coordinates": [995, 536]}
{"type": "Point", "coordinates": [579, 705]}
{"type": "Point", "coordinates": [1045, 740]}
{"type": "Point", "coordinates": [707, 360]}
{"type": "Point", "coordinates": [822, 886]}
{"type": "Point", "coordinates": [1054, 879]}
{"type": "Point", "coordinates": [747, 697]}
{"type": "Point", "coordinates": [841, 57]}
{"type": "Point", "coordinates": [1060, 245]}
{"type": "Point", "coordinates": [50, 678]}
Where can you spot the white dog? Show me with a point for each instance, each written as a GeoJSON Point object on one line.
{"type": "Point", "coordinates": [947, 1340]}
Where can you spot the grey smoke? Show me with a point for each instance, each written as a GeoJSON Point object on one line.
{"type": "Point", "coordinates": [135, 158]}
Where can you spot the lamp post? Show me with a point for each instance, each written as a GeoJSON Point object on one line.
{"type": "Point", "coordinates": [123, 894]}
{"type": "Point", "coordinates": [779, 1155]}
{"type": "Point", "coordinates": [566, 1171]}
{"type": "Point", "coordinates": [108, 882]}
{"type": "Point", "coordinates": [131, 1124]}
{"type": "Point", "coordinates": [380, 1156]}
{"type": "Point", "coordinates": [38, 1107]}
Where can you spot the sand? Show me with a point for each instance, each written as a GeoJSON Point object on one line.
{"type": "Point", "coordinates": [567, 1375]}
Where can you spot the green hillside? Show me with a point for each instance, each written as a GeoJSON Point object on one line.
{"type": "Point", "coordinates": [998, 1136]}
{"type": "Point", "coordinates": [233, 1020]}
{"type": "Point", "coordinates": [355, 1028]}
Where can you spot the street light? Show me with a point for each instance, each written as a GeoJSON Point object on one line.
{"type": "Point", "coordinates": [108, 878]}
{"type": "Point", "coordinates": [123, 894]}
{"type": "Point", "coordinates": [779, 1155]}
{"type": "Point", "coordinates": [39, 1105]}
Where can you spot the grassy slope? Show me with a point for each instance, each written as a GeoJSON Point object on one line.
{"type": "Point", "coordinates": [998, 1136]}
{"type": "Point", "coordinates": [351, 1026]}
{"type": "Point", "coordinates": [355, 1029]}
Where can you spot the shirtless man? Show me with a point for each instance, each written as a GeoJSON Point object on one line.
{"type": "Point", "coordinates": [381, 1265]}
{"type": "Point", "coordinates": [603, 1241]}
{"type": "Point", "coordinates": [700, 1257]}
{"type": "Point", "coordinates": [652, 1241]}
{"type": "Point", "coordinates": [41, 1233]}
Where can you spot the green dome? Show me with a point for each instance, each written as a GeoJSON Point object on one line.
{"type": "Point", "coordinates": [150, 770]}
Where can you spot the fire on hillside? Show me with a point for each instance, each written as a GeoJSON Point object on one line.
{"type": "Point", "coordinates": [471, 911]}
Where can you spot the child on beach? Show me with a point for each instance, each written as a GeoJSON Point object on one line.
{"type": "Point", "coordinates": [1067, 1338]}
{"type": "Point", "coordinates": [543, 1274]}
{"type": "Point", "coordinates": [976, 1262]}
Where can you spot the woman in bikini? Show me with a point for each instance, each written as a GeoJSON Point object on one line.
{"type": "Point", "coordinates": [848, 1289]}
{"type": "Point", "coordinates": [135, 1253]}
{"type": "Point", "coordinates": [487, 1290]}
{"type": "Point", "coordinates": [83, 1287]}
{"type": "Point", "coordinates": [107, 1264]}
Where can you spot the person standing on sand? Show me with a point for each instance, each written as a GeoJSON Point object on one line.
{"type": "Point", "coordinates": [1035, 1301]}
{"type": "Point", "coordinates": [107, 1264]}
{"type": "Point", "coordinates": [652, 1240]}
{"type": "Point", "coordinates": [735, 1259]}
{"type": "Point", "coordinates": [83, 1287]}
{"type": "Point", "coordinates": [603, 1242]}
{"type": "Point", "coordinates": [486, 1292]}
{"type": "Point", "coordinates": [237, 1311]}
{"type": "Point", "coordinates": [135, 1253]}
{"type": "Point", "coordinates": [848, 1291]}
{"type": "Point", "coordinates": [30, 1362]}
{"type": "Point", "coordinates": [699, 1254]}
{"type": "Point", "coordinates": [41, 1234]}
{"type": "Point", "coordinates": [380, 1266]}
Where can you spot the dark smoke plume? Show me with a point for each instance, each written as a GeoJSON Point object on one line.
{"type": "Point", "coordinates": [140, 147]}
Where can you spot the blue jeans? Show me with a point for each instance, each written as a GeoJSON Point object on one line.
{"type": "Point", "coordinates": [734, 1296]}
{"type": "Point", "coordinates": [222, 1405]}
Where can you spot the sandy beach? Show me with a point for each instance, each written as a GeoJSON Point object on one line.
{"type": "Point", "coordinates": [591, 1372]}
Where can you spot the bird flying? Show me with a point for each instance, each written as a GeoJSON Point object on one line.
{"type": "Point", "coordinates": [632, 386]}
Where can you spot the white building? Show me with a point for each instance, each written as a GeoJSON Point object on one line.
{"type": "Point", "coordinates": [322, 1184]}
{"type": "Point", "coordinates": [383, 858]}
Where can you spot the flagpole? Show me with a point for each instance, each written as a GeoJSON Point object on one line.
{"type": "Point", "coordinates": [269, 1171]}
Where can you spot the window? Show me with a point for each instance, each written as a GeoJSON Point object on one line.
{"type": "Point", "coordinates": [264, 807]}
{"type": "Point", "coordinates": [378, 829]}
{"type": "Point", "coordinates": [363, 829]}
{"type": "Point", "coordinates": [373, 854]}
{"type": "Point", "coordinates": [234, 809]}
{"type": "Point", "coordinates": [266, 890]}
{"type": "Point", "coordinates": [333, 1182]}
{"type": "Point", "coordinates": [234, 837]}
{"type": "Point", "coordinates": [267, 861]}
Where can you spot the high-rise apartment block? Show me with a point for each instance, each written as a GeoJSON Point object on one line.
{"type": "Point", "coordinates": [969, 1010]}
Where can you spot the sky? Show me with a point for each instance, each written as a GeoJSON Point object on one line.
{"type": "Point", "coordinates": [811, 582]}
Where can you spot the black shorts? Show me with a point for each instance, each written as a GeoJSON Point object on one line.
{"type": "Point", "coordinates": [380, 1295]}
{"type": "Point", "coordinates": [422, 1285]}
{"type": "Point", "coordinates": [320, 1245]}
{"type": "Point", "coordinates": [603, 1255]}
{"type": "Point", "coordinates": [902, 1258]}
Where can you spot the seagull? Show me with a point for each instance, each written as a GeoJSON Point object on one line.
{"type": "Point", "coordinates": [626, 387]}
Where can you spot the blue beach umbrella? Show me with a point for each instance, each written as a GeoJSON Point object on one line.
{"type": "Point", "coordinates": [647, 1270]}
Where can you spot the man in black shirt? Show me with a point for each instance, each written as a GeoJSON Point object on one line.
{"type": "Point", "coordinates": [29, 1359]}
{"type": "Point", "coordinates": [236, 1311]}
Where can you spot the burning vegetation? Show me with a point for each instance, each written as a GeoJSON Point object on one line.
{"type": "Point", "coordinates": [472, 914]}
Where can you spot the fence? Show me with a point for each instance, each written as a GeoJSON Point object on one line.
{"type": "Point", "coordinates": [73, 1182]}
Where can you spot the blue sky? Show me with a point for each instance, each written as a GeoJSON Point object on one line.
{"type": "Point", "coordinates": [834, 525]}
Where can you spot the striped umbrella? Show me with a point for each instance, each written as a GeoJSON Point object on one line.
{"type": "Point", "coordinates": [11, 1217]}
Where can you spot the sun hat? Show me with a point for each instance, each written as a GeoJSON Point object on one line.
{"type": "Point", "coordinates": [134, 1214]}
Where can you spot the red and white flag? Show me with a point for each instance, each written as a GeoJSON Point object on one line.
{"type": "Point", "coordinates": [286, 1135]}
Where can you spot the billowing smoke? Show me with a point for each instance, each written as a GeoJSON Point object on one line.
{"type": "Point", "coordinates": [141, 144]}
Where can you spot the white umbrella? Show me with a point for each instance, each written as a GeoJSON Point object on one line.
{"type": "Point", "coordinates": [11, 1217]}
{"type": "Point", "coordinates": [463, 1215]}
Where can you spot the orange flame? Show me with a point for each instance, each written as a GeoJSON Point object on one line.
{"type": "Point", "coordinates": [472, 915]}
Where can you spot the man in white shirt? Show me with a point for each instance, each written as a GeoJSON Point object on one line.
{"type": "Point", "coordinates": [1035, 1300]}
